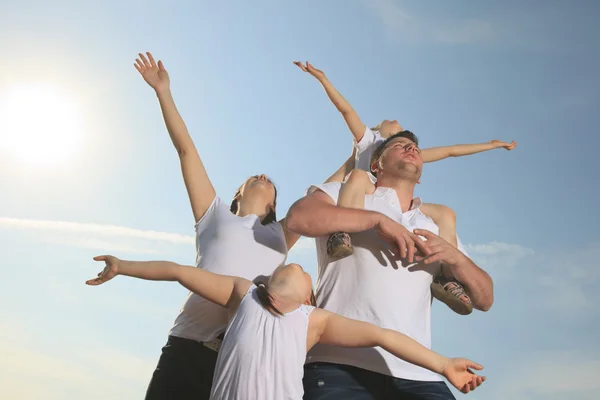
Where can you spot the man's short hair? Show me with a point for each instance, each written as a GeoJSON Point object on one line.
{"type": "Point", "coordinates": [379, 150]}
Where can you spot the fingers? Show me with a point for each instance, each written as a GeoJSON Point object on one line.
{"type": "Point", "coordinates": [425, 233]}
{"type": "Point", "coordinates": [137, 67]}
{"type": "Point", "coordinates": [152, 63]}
{"type": "Point", "coordinates": [410, 254]}
{"type": "Point", "coordinates": [100, 258]}
{"type": "Point", "coordinates": [302, 67]}
{"type": "Point", "coordinates": [401, 246]}
{"type": "Point", "coordinates": [144, 60]}
{"type": "Point", "coordinates": [422, 247]}
{"type": "Point", "coordinates": [140, 65]}
{"type": "Point", "coordinates": [161, 66]}
{"type": "Point", "coordinates": [94, 282]}
{"type": "Point", "coordinates": [474, 365]}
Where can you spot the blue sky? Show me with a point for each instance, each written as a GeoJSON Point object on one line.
{"type": "Point", "coordinates": [455, 72]}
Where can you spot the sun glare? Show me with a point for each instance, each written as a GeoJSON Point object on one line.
{"type": "Point", "coordinates": [39, 124]}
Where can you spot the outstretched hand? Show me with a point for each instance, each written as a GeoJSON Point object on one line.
{"type": "Point", "coordinates": [459, 374]}
{"type": "Point", "coordinates": [154, 74]}
{"type": "Point", "coordinates": [310, 69]}
{"type": "Point", "coordinates": [505, 145]}
{"type": "Point", "coordinates": [110, 270]}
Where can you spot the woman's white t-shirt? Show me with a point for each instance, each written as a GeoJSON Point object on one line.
{"type": "Point", "coordinates": [262, 355]}
{"type": "Point", "coordinates": [229, 245]}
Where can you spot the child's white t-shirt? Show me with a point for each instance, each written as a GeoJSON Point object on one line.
{"type": "Point", "coordinates": [365, 149]}
{"type": "Point", "coordinates": [262, 355]}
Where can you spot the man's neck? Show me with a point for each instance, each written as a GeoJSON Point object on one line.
{"type": "Point", "coordinates": [404, 190]}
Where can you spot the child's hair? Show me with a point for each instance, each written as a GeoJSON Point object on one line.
{"type": "Point", "coordinates": [379, 150]}
{"type": "Point", "coordinates": [266, 300]}
{"type": "Point", "coordinates": [270, 217]}
{"type": "Point", "coordinates": [377, 127]}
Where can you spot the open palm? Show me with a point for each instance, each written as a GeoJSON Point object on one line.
{"type": "Point", "coordinates": [317, 73]}
{"type": "Point", "coordinates": [459, 374]}
{"type": "Point", "coordinates": [154, 74]}
{"type": "Point", "coordinates": [507, 146]}
{"type": "Point", "coordinates": [110, 270]}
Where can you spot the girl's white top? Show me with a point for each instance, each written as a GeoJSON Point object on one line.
{"type": "Point", "coordinates": [262, 356]}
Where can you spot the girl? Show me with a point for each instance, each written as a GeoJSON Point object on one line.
{"type": "Point", "coordinates": [274, 325]}
{"type": "Point", "coordinates": [241, 238]}
{"type": "Point", "coordinates": [358, 181]}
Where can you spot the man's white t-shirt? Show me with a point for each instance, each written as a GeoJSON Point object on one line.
{"type": "Point", "coordinates": [365, 149]}
{"type": "Point", "coordinates": [372, 285]}
{"type": "Point", "coordinates": [229, 245]}
{"type": "Point", "coordinates": [262, 355]}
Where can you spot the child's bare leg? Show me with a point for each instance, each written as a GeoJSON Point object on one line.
{"type": "Point", "coordinates": [445, 287]}
{"type": "Point", "coordinates": [352, 195]}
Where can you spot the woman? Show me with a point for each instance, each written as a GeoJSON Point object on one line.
{"type": "Point", "coordinates": [275, 324]}
{"type": "Point", "coordinates": [240, 239]}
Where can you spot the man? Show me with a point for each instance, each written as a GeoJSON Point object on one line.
{"type": "Point", "coordinates": [386, 281]}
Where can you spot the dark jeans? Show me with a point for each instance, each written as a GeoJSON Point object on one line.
{"type": "Point", "coordinates": [184, 371]}
{"type": "Point", "coordinates": [337, 381]}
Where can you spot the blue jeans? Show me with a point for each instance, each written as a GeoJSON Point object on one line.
{"type": "Point", "coordinates": [336, 381]}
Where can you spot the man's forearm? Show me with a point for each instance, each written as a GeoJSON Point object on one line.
{"type": "Point", "coordinates": [478, 283]}
{"type": "Point", "coordinates": [312, 217]}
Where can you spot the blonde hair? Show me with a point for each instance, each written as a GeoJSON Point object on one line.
{"type": "Point", "coordinates": [377, 127]}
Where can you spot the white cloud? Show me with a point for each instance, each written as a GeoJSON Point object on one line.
{"type": "Point", "coordinates": [98, 236]}
{"type": "Point", "coordinates": [406, 27]}
{"type": "Point", "coordinates": [498, 258]}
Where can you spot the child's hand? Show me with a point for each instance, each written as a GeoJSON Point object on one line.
{"type": "Point", "coordinates": [154, 74]}
{"type": "Point", "coordinates": [310, 69]}
{"type": "Point", "coordinates": [507, 146]}
{"type": "Point", "coordinates": [110, 270]}
{"type": "Point", "coordinates": [458, 373]}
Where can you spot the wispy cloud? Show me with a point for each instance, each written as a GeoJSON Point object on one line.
{"type": "Point", "coordinates": [98, 236]}
{"type": "Point", "coordinates": [499, 258]}
{"type": "Point", "coordinates": [410, 28]}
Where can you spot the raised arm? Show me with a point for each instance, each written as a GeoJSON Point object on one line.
{"type": "Point", "coordinates": [199, 187]}
{"type": "Point", "coordinates": [316, 215]}
{"type": "Point", "coordinates": [220, 289]}
{"type": "Point", "coordinates": [350, 116]}
{"type": "Point", "coordinates": [345, 169]}
{"type": "Point", "coordinates": [334, 330]}
{"type": "Point", "coordinates": [458, 150]}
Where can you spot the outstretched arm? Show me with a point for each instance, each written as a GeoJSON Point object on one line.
{"type": "Point", "coordinates": [219, 289]}
{"type": "Point", "coordinates": [334, 330]}
{"type": "Point", "coordinates": [458, 150]}
{"type": "Point", "coordinates": [199, 187]}
{"type": "Point", "coordinates": [350, 116]}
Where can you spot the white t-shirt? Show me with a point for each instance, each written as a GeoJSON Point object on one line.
{"type": "Point", "coordinates": [229, 245]}
{"type": "Point", "coordinates": [365, 149]}
{"type": "Point", "coordinates": [372, 285]}
{"type": "Point", "coordinates": [262, 355]}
